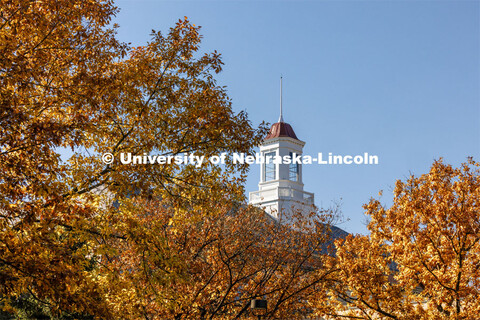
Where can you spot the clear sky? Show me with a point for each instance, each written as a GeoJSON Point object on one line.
{"type": "Point", "coordinates": [399, 79]}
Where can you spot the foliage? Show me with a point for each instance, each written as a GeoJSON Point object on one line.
{"type": "Point", "coordinates": [213, 266]}
{"type": "Point", "coordinates": [422, 258]}
{"type": "Point", "coordinates": [67, 83]}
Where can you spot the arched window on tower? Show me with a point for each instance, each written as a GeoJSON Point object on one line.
{"type": "Point", "coordinates": [270, 172]}
{"type": "Point", "coordinates": [293, 169]}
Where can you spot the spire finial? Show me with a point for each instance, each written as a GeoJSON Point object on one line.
{"type": "Point", "coordinates": [281, 110]}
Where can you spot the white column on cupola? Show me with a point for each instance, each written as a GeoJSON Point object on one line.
{"type": "Point", "coordinates": [281, 186]}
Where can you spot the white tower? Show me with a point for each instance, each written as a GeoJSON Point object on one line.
{"type": "Point", "coordinates": [281, 186]}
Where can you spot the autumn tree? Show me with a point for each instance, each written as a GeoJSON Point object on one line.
{"type": "Point", "coordinates": [67, 83]}
{"type": "Point", "coordinates": [422, 258]}
{"type": "Point", "coordinates": [213, 266]}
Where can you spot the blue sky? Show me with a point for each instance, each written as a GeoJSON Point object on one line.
{"type": "Point", "coordinates": [399, 79]}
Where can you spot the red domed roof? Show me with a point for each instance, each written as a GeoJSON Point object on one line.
{"type": "Point", "coordinates": [281, 129]}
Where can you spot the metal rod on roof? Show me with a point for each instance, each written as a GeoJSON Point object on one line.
{"type": "Point", "coordinates": [281, 108]}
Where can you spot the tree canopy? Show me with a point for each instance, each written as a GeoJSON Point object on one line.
{"type": "Point", "coordinates": [81, 238]}
{"type": "Point", "coordinates": [422, 258]}
{"type": "Point", "coordinates": [67, 83]}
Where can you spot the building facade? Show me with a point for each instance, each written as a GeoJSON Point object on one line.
{"type": "Point", "coordinates": [280, 190]}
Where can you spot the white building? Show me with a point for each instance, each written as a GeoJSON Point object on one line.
{"type": "Point", "coordinates": [280, 191]}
